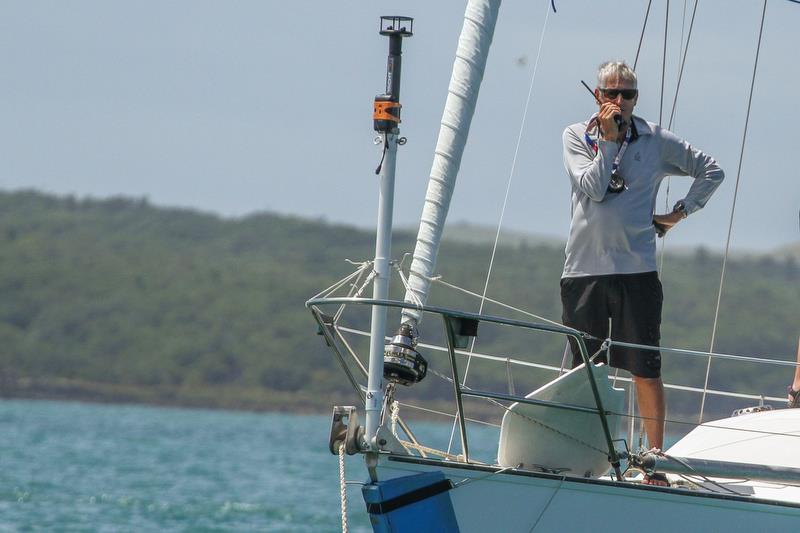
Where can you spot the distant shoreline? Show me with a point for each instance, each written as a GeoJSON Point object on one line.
{"type": "Point", "coordinates": [213, 398]}
{"type": "Point", "coordinates": [230, 398]}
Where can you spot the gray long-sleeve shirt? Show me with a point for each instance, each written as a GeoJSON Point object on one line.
{"type": "Point", "coordinates": [613, 233]}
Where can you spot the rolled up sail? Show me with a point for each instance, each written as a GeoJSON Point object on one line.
{"type": "Point", "coordinates": [473, 50]}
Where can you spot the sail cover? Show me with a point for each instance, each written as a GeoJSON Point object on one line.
{"type": "Point", "coordinates": [473, 50]}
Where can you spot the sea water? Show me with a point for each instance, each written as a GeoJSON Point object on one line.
{"type": "Point", "coordinates": [68, 466]}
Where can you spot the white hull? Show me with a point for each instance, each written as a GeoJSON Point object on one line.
{"type": "Point", "coordinates": [518, 501]}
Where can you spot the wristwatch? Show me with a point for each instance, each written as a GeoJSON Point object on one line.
{"type": "Point", "coordinates": [680, 207]}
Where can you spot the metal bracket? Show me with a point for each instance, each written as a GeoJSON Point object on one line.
{"type": "Point", "coordinates": [463, 329]}
{"type": "Point", "coordinates": [345, 429]}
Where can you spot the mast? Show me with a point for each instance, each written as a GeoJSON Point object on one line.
{"type": "Point", "coordinates": [471, 56]}
{"type": "Point", "coordinates": [386, 118]}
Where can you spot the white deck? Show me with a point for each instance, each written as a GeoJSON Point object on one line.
{"type": "Point", "coordinates": [766, 438]}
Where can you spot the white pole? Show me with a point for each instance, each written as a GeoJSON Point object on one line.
{"type": "Point", "coordinates": [380, 288]}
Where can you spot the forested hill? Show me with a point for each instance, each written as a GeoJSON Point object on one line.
{"type": "Point", "coordinates": [119, 300]}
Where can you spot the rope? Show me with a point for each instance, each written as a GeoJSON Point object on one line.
{"type": "Point", "coordinates": [641, 37]}
{"type": "Point", "coordinates": [395, 413]}
{"type": "Point", "coordinates": [733, 207]}
{"type": "Point", "coordinates": [343, 281]}
{"type": "Point", "coordinates": [430, 451]}
{"type": "Point", "coordinates": [355, 289]}
{"type": "Point", "coordinates": [407, 286]}
{"type": "Point", "coordinates": [505, 199]}
{"type": "Point", "coordinates": [342, 488]}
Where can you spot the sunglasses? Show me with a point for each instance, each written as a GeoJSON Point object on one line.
{"type": "Point", "coordinates": [627, 94]}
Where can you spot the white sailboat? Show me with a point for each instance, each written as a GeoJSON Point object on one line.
{"type": "Point", "coordinates": [557, 463]}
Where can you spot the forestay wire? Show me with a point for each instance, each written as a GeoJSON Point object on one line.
{"type": "Point", "coordinates": [683, 52]}
{"type": "Point", "coordinates": [663, 65]}
{"type": "Point", "coordinates": [641, 37]}
{"type": "Point", "coordinates": [661, 113]}
{"type": "Point", "coordinates": [733, 209]}
{"type": "Point", "coordinates": [660, 123]}
{"type": "Point", "coordinates": [505, 199]}
{"type": "Point", "coordinates": [683, 64]}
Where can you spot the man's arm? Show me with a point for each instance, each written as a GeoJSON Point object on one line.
{"type": "Point", "coordinates": [588, 172]}
{"type": "Point", "coordinates": [664, 223]}
{"type": "Point", "coordinates": [681, 159]}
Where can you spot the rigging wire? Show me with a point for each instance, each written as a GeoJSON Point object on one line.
{"type": "Point", "coordinates": [635, 63]}
{"type": "Point", "coordinates": [508, 190]}
{"type": "Point", "coordinates": [683, 28]}
{"type": "Point", "coordinates": [684, 53]}
{"type": "Point", "coordinates": [660, 121]}
{"type": "Point", "coordinates": [683, 64]}
{"type": "Point", "coordinates": [641, 37]}
{"type": "Point", "coordinates": [547, 505]}
{"type": "Point", "coordinates": [663, 64]}
{"type": "Point", "coordinates": [669, 127]}
{"type": "Point", "coordinates": [733, 207]}
{"type": "Point", "coordinates": [498, 303]}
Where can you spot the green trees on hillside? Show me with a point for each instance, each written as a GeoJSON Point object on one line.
{"type": "Point", "coordinates": [117, 293]}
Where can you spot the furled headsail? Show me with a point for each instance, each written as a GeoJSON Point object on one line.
{"type": "Point", "coordinates": [471, 56]}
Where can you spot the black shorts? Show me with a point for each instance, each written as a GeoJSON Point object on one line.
{"type": "Point", "coordinates": [632, 302]}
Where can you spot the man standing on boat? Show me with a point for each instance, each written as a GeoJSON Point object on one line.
{"type": "Point", "coordinates": [615, 162]}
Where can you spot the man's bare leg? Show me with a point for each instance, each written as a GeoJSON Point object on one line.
{"type": "Point", "coordinates": [650, 392]}
{"type": "Point", "coordinates": [792, 394]}
{"type": "Point", "coordinates": [796, 382]}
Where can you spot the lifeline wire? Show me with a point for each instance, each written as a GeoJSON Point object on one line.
{"type": "Point", "coordinates": [508, 190]}
{"type": "Point", "coordinates": [733, 208]}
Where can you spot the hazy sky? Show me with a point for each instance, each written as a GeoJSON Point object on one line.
{"type": "Point", "coordinates": [238, 107]}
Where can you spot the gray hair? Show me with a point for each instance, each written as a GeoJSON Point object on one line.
{"type": "Point", "coordinates": [619, 69]}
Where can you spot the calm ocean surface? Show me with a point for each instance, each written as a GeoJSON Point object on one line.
{"type": "Point", "coordinates": [82, 467]}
